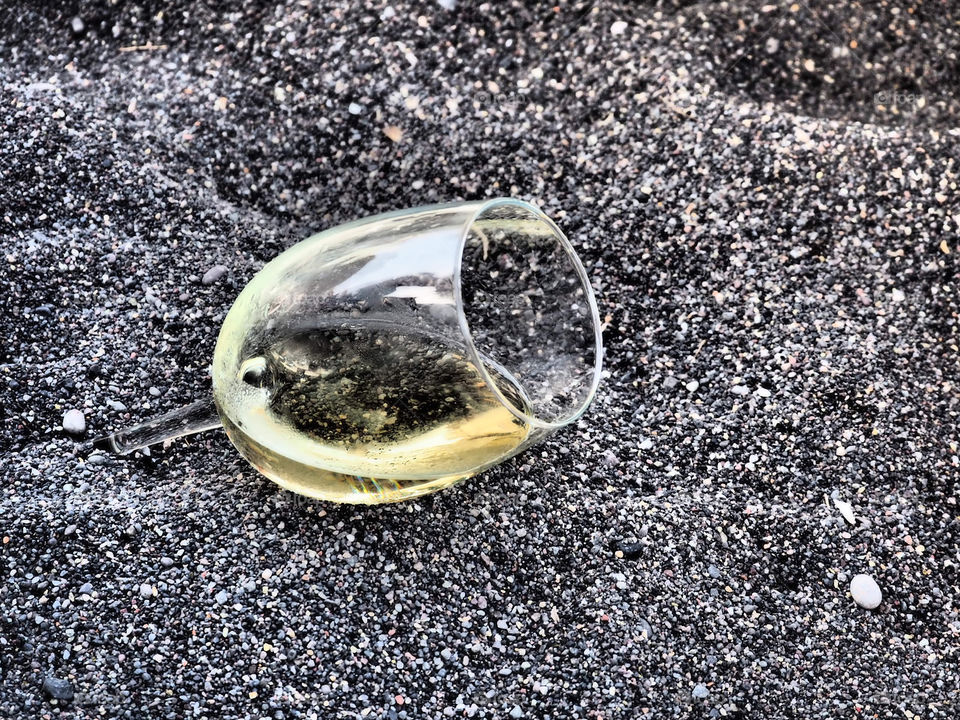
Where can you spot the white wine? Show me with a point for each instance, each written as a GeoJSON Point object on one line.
{"type": "Point", "coordinates": [356, 366]}
{"type": "Point", "coordinates": [366, 413]}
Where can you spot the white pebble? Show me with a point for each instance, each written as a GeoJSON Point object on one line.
{"type": "Point", "coordinates": [618, 28]}
{"type": "Point", "coordinates": [866, 593]}
{"type": "Point", "coordinates": [693, 385]}
{"type": "Point", "coordinates": [354, 109]}
{"type": "Point", "coordinates": [74, 422]}
{"type": "Point", "coordinates": [146, 591]}
{"type": "Point", "coordinates": [846, 509]}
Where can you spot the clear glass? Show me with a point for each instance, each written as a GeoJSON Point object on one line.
{"type": "Point", "coordinates": [396, 355]}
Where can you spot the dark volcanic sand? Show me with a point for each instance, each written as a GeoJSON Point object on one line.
{"type": "Point", "coordinates": [774, 247]}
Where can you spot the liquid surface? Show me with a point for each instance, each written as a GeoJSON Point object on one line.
{"type": "Point", "coordinates": [367, 414]}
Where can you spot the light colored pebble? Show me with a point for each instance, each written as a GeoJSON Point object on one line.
{"type": "Point", "coordinates": [74, 422]}
{"type": "Point", "coordinates": [214, 274]}
{"type": "Point", "coordinates": [846, 509]}
{"type": "Point", "coordinates": [865, 591]}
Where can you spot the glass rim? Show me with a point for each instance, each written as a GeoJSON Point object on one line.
{"type": "Point", "coordinates": [571, 254]}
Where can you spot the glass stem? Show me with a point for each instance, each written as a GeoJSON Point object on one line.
{"type": "Point", "coordinates": [201, 415]}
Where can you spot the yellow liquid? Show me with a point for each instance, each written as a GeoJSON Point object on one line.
{"type": "Point", "coordinates": [367, 414]}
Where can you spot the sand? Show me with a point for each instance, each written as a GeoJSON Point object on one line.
{"type": "Point", "coordinates": [766, 201]}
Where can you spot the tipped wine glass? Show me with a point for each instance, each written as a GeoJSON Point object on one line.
{"type": "Point", "coordinates": [396, 355]}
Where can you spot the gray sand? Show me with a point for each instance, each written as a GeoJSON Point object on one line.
{"type": "Point", "coordinates": [769, 215]}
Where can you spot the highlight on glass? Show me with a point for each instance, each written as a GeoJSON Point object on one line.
{"type": "Point", "coordinates": [393, 356]}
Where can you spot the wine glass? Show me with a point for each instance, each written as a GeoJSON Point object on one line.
{"type": "Point", "coordinates": [396, 355]}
